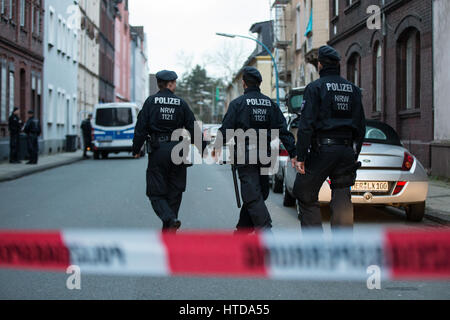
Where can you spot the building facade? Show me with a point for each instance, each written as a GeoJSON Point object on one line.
{"type": "Point", "coordinates": [139, 75]}
{"type": "Point", "coordinates": [21, 62]}
{"type": "Point", "coordinates": [392, 63]}
{"type": "Point", "coordinates": [108, 10]}
{"type": "Point", "coordinates": [301, 27]}
{"type": "Point", "coordinates": [259, 59]}
{"type": "Point", "coordinates": [440, 148]}
{"type": "Point", "coordinates": [122, 53]}
{"type": "Point", "coordinates": [88, 56]}
{"type": "Point", "coordinates": [60, 74]}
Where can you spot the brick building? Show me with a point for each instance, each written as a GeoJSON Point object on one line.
{"type": "Point", "coordinates": [393, 64]}
{"type": "Point", "coordinates": [123, 53]}
{"type": "Point", "coordinates": [108, 10]}
{"type": "Point", "coordinates": [21, 61]}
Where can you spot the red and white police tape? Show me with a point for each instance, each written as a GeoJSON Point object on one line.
{"type": "Point", "coordinates": [415, 254]}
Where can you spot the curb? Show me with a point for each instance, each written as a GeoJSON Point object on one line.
{"type": "Point", "coordinates": [437, 216]}
{"type": "Point", "coordinates": [33, 170]}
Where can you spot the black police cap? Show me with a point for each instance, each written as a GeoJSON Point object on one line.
{"type": "Point", "coordinates": [253, 73]}
{"type": "Point", "coordinates": [166, 75]}
{"type": "Point", "coordinates": [327, 52]}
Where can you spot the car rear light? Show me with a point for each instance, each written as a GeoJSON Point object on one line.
{"type": "Point", "coordinates": [408, 162]}
{"type": "Point", "coordinates": [399, 187]}
{"type": "Point", "coordinates": [329, 181]}
{"type": "Point", "coordinates": [367, 144]}
{"type": "Point", "coordinates": [92, 134]}
{"type": "Point", "coordinates": [284, 153]}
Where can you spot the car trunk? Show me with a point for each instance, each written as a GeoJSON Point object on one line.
{"type": "Point", "coordinates": [382, 156]}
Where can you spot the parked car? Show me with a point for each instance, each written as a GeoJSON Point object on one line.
{"type": "Point", "coordinates": [113, 128]}
{"type": "Point", "coordinates": [390, 175]}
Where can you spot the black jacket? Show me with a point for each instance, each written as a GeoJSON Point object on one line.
{"type": "Point", "coordinates": [86, 128]}
{"type": "Point", "coordinates": [332, 108]}
{"type": "Point", "coordinates": [162, 114]}
{"type": "Point", "coordinates": [253, 110]}
{"type": "Point", "coordinates": [14, 125]}
{"type": "Point", "coordinates": [32, 127]}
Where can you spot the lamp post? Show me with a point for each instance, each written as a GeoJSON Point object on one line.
{"type": "Point", "coordinates": [277, 83]}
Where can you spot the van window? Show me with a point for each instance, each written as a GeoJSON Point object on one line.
{"type": "Point", "coordinates": [114, 117]}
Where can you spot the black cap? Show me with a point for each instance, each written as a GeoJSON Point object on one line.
{"type": "Point", "coordinates": [329, 53]}
{"type": "Point", "coordinates": [166, 75]}
{"type": "Point", "coordinates": [15, 109]}
{"type": "Point", "coordinates": [30, 112]}
{"type": "Point", "coordinates": [253, 73]}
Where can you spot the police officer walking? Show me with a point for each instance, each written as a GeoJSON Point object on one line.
{"type": "Point", "coordinates": [15, 126]}
{"type": "Point", "coordinates": [255, 111]}
{"type": "Point", "coordinates": [33, 131]}
{"type": "Point", "coordinates": [331, 131]}
{"type": "Point", "coordinates": [86, 128]}
{"type": "Point", "coordinates": [161, 115]}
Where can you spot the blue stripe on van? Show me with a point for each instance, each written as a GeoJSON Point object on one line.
{"type": "Point", "coordinates": [114, 134]}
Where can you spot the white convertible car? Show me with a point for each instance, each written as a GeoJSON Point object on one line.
{"type": "Point", "coordinates": [390, 175]}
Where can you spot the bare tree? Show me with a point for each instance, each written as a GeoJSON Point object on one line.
{"type": "Point", "coordinates": [228, 59]}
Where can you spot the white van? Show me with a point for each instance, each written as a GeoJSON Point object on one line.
{"type": "Point", "coordinates": [113, 128]}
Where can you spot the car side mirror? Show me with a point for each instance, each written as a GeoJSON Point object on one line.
{"type": "Point", "coordinates": [295, 101]}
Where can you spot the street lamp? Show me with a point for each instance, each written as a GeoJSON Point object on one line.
{"type": "Point", "coordinates": [277, 83]}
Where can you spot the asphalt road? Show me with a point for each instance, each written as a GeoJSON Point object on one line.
{"type": "Point", "coordinates": [111, 194]}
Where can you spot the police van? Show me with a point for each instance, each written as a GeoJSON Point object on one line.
{"type": "Point", "coordinates": [113, 128]}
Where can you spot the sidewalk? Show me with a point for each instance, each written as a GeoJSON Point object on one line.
{"type": "Point", "coordinates": [438, 201]}
{"type": "Point", "coordinates": [14, 171]}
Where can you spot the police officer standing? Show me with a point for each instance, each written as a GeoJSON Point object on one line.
{"type": "Point", "coordinates": [15, 126]}
{"type": "Point", "coordinates": [161, 115]}
{"type": "Point", "coordinates": [86, 128]}
{"type": "Point", "coordinates": [33, 131]}
{"type": "Point", "coordinates": [331, 126]}
{"type": "Point", "coordinates": [255, 111]}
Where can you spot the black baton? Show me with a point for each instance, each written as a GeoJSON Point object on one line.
{"type": "Point", "coordinates": [236, 187]}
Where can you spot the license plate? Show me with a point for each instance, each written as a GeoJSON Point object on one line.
{"type": "Point", "coordinates": [372, 186]}
{"type": "Point", "coordinates": [105, 139]}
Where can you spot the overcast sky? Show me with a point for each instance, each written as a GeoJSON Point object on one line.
{"type": "Point", "coordinates": [180, 29]}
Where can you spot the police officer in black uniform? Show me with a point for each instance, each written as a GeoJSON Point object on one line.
{"type": "Point", "coordinates": [331, 131]}
{"type": "Point", "coordinates": [256, 111]}
{"type": "Point", "coordinates": [15, 126]}
{"type": "Point", "coordinates": [161, 115]}
{"type": "Point", "coordinates": [33, 131]}
{"type": "Point", "coordinates": [86, 128]}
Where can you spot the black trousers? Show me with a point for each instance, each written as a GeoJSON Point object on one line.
{"type": "Point", "coordinates": [255, 191]}
{"type": "Point", "coordinates": [166, 183]}
{"type": "Point", "coordinates": [33, 147]}
{"type": "Point", "coordinates": [87, 144]}
{"type": "Point", "coordinates": [14, 145]}
{"type": "Point", "coordinates": [336, 162]}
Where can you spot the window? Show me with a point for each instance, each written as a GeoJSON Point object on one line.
{"type": "Point", "coordinates": [298, 45]}
{"type": "Point", "coordinates": [408, 61]}
{"type": "Point", "coordinates": [114, 117]}
{"type": "Point", "coordinates": [2, 7]}
{"type": "Point", "coordinates": [50, 113]}
{"type": "Point", "coordinates": [377, 78]}
{"type": "Point", "coordinates": [354, 69]}
{"type": "Point", "coordinates": [51, 27]}
{"type": "Point", "coordinates": [12, 9]}
{"type": "Point", "coordinates": [11, 86]}
{"type": "Point", "coordinates": [336, 7]}
{"type": "Point", "coordinates": [3, 89]}
{"type": "Point", "coordinates": [59, 33]}
{"type": "Point", "coordinates": [22, 13]}
{"type": "Point", "coordinates": [32, 18]}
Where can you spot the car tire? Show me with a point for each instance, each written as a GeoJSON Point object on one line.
{"type": "Point", "coordinates": [415, 212]}
{"type": "Point", "coordinates": [105, 155]}
{"type": "Point", "coordinates": [288, 200]}
{"type": "Point", "coordinates": [96, 155]}
{"type": "Point", "coordinates": [277, 185]}
{"type": "Point", "coordinates": [142, 154]}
